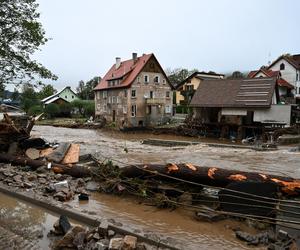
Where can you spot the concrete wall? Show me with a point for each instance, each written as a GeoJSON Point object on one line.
{"type": "Point", "coordinates": [277, 113]}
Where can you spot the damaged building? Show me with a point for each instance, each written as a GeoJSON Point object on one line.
{"type": "Point", "coordinates": [135, 92]}
{"type": "Point", "coordinates": [239, 108]}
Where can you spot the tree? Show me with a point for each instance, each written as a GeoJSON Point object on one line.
{"type": "Point", "coordinates": [29, 97]}
{"type": "Point", "coordinates": [21, 35]}
{"type": "Point", "coordinates": [52, 110]}
{"type": "Point", "coordinates": [236, 75]}
{"type": "Point", "coordinates": [86, 90]}
{"type": "Point", "coordinates": [176, 76]}
{"type": "Point", "coordinates": [46, 91]}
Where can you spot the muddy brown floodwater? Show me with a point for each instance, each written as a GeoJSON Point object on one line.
{"type": "Point", "coordinates": [179, 225]}
{"type": "Point", "coordinates": [26, 223]}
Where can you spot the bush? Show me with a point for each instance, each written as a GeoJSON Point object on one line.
{"type": "Point", "coordinates": [65, 110]}
{"type": "Point", "coordinates": [52, 110]}
{"type": "Point", "coordinates": [35, 110]}
{"type": "Point", "coordinates": [86, 108]}
{"type": "Point", "coordinates": [183, 109]}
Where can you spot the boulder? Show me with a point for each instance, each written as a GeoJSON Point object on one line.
{"type": "Point", "coordinates": [129, 242]}
{"type": "Point", "coordinates": [115, 244]}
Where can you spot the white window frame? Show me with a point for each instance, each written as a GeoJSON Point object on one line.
{"type": "Point", "coordinates": [158, 79]}
{"type": "Point", "coordinates": [109, 99]}
{"type": "Point", "coordinates": [104, 94]}
{"type": "Point", "coordinates": [168, 94]}
{"type": "Point", "coordinates": [133, 110]}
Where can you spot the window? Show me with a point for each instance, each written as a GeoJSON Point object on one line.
{"type": "Point", "coordinates": [72, 97]}
{"type": "Point", "coordinates": [146, 79]}
{"type": "Point", "coordinates": [156, 79]}
{"type": "Point", "coordinates": [109, 99]}
{"type": "Point", "coordinates": [168, 94]}
{"type": "Point", "coordinates": [168, 109]}
{"type": "Point", "coordinates": [151, 94]}
{"type": "Point", "coordinates": [125, 93]}
{"type": "Point", "coordinates": [297, 77]}
{"type": "Point", "coordinates": [164, 81]}
{"type": "Point", "coordinates": [138, 80]}
{"type": "Point", "coordinates": [133, 93]}
{"type": "Point", "coordinates": [118, 99]}
{"type": "Point", "coordinates": [149, 110]}
{"type": "Point", "coordinates": [104, 94]}
{"type": "Point", "coordinates": [66, 97]}
{"type": "Point", "coordinates": [133, 110]}
{"type": "Point", "coordinates": [282, 66]}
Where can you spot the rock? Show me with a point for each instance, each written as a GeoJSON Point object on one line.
{"type": "Point", "coordinates": [59, 186]}
{"type": "Point", "coordinates": [83, 197]}
{"type": "Point", "coordinates": [64, 223]}
{"type": "Point", "coordinates": [91, 245]}
{"type": "Point", "coordinates": [261, 238]}
{"type": "Point", "coordinates": [96, 236]}
{"type": "Point", "coordinates": [61, 196]}
{"type": "Point", "coordinates": [8, 174]}
{"type": "Point", "coordinates": [27, 185]}
{"type": "Point", "coordinates": [129, 242]}
{"type": "Point", "coordinates": [80, 183]}
{"type": "Point", "coordinates": [79, 240]}
{"type": "Point", "coordinates": [103, 229]}
{"type": "Point", "coordinates": [32, 177]}
{"type": "Point", "coordinates": [18, 178]}
{"type": "Point", "coordinates": [111, 233]}
{"type": "Point", "coordinates": [115, 244]}
{"type": "Point", "coordinates": [42, 170]}
{"type": "Point", "coordinates": [67, 240]}
{"type": "Point", "coordinates": [42, 180]}
{"type": "Point", "coordinates": [92, 186]}
{"type": "Point", "coordinates": [102, 244]}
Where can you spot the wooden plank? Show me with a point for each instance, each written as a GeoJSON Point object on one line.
{"type": "Point", "coordinates": [72, 156]}
{"type": "Point", "coordinates": [59, 153]}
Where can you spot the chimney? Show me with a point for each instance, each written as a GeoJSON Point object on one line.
{"type": "Point", "coordinates": [118, 62]}
{"type": "Point", "coordinates": [134, 56]}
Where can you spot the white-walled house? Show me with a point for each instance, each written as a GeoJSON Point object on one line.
{"type": "Point", "coordinates": [289, 67]}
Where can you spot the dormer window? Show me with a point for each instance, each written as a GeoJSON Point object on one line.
{"type": "Point", "coordinates": [156, 79]}
{"type": "Point", "coordinates": [282, 66]}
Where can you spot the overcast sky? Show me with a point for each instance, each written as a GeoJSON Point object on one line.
{"type": "Point", "coordinates": [218, 35]}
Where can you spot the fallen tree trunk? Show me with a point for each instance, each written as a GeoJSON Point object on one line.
{"type": "Point", "coordinates": [211, 176]}
{"type": "Point", "coordinates": [74, 170]}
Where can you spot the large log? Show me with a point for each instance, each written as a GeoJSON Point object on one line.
{"type": "Point", "coordinates": [74, 170]}
{"type": "Point", "coordinates": [211, 176]}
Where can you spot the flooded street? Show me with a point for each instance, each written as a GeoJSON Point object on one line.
{"type": "Point", "coordinates": [179, 225]}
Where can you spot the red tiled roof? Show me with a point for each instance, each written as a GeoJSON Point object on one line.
{"type": "Point", "coordinates": [128, 70]}
{"type": "Point", "coordinates": [267, 72]}
{"type": "Point", "coordinates": [283, 83]}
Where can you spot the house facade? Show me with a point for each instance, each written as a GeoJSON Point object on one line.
{"type": "Point", "coordinates": [289, 67]}
{"type": "Point", "coordinates": [186, 89]}
{"type": "Point", "coordinates": [66, 95]}
{"type": "Point", "coordinates": [135, 92]}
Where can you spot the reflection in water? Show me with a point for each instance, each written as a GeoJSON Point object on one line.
{"type": "Point", "coordinates": [25, 220]}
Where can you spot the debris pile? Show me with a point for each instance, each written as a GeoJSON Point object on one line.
{"type": "Point", "coordinates": [102, 237]}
